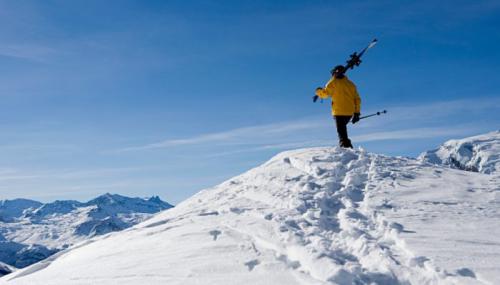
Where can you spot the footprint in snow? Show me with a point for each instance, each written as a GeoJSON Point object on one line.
{"type": "Point", "coordinates": [213, 213]}
{"type": "Point", "coordinates": [251, 264]}
{"type": "Point", "coordinates": [418, 261]}
{"type": "Point", "coordinates": [237, 210]}
{"type": "Point", "coordinates": [157, 224]}
{"type": "Point", "coordinates": [215, 234]}
{"type": "Point", "coordinates": [400, 228]}
{"type": "Point", "coordinates": [466, 272]}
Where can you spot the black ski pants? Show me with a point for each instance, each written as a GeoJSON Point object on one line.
{"type": "Point", "coordinates": [341, 122]}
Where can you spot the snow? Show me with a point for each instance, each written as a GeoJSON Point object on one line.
{"type": "Point", "coordinates": [479, 153]}
{"type": "Point", "coordinates": [449, 216]}
{"type": "Point", "coordinates": [309, 216]}
{"type": "Point", "coordinates": [31, 231]}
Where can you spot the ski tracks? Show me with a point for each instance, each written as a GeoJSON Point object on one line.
{"type": "Point", "coordinates": [310, 211]}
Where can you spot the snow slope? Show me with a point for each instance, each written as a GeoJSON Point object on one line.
{"type": "Point", "coordinates": [31, 231]}
{"type": "Point", "coordinates": [311, 216]}
{"type": "Point", "coordinates": [479, 153]}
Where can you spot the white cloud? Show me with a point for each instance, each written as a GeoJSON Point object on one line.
{"type": "Point", "coordinates": [406, 121]}
{"type": "Point", "coordinates": [28, 52]}
{"type": "Point", "coordinates": [23, 175]}
{"type": "Point", "coordinates": [445, 108]}
{"type": "Point", "coordinates": [415, 133]}
{"type": "Point", "coordinates": [278, 146]}
{"type": "Point", "coordinates": [234, 135]}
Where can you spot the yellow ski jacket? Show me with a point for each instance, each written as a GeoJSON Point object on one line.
{"type": "Point", "coordinates": [345, 97]}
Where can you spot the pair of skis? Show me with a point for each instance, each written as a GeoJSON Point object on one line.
{"type": "Point", "coordinates": [355, 58]}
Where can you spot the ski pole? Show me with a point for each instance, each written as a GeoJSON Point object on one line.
{"type": "Point", "coordinates": [374, 114]}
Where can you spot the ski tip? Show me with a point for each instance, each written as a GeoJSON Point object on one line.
{"type": "Point", "coordinates": [374, 42]}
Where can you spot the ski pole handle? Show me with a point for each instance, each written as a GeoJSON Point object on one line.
{"type": "Point", "coordinates": [374, 114]}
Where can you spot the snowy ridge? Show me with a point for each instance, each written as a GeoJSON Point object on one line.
{"type": "Point", "coordinates": [478, 154]}
{"type": "Point", "coordinates": [31, 231]}
{"type": "Point", "coordinates": [13, 209]}
{"type": "Point", "coordinates": [312, 216]}
{"type": "Point", "coordinates": [6, 269]}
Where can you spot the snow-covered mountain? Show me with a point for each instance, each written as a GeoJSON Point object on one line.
{"type": "Point", "coordinates": [479, 153]}
{"type": "Point", "coordinates": [309, 216]}
{"type": "Point", "coordinates": [6, 269]}
{"type": "Point", "coordinates": [13, 209]}
{"type": "Point", "coordinates": [31, 231]}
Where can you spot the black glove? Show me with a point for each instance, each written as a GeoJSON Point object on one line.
{"type": "Point", "coordinates": [315, 98]}
{"type": "Point", "coordinates": [355, 118]}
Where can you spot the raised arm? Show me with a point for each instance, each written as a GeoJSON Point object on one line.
{"type": "Point", "coordinates": [326, 92]}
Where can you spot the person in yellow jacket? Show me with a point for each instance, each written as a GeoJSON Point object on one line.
{"type": "Point", "coordinates": [346, 103]}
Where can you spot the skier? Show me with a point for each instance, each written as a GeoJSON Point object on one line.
{"type": "Point", "coordinates": [346, 103]}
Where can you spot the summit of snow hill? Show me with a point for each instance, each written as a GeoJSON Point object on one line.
{"type": "Point", "coordinates": [310, 216]}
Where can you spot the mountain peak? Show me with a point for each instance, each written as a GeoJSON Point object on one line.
{"type": "Point", "coordinates": [13, 209]}
{"type": "Point", "coordinates": [58, 207]}
{"type": "Point", "coordinates": [155, 199]}
{"type": "Point", "coordinates": [121, 203]}
{"type": "Point", "coordinates": [107, 198]}
{"type": "Point", "coordinates": [479, 153]}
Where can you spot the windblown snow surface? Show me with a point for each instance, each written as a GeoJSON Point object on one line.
{"type": "Point", "coordinates": [309, 216]}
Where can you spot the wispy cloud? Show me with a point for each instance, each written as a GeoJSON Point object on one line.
{"type": "Point", "coordinates": [40, 147]}
{"type": "Point", "coordinates": [414, 133]}
{"type": "Point", "coordinates": [277, 146]}
{"type": "Point", "coordinates": [406, 122]}
{"type": "Point", "coordinates": [402, 134]}
{"type": "Point", "coordinates": [23, 175]}
{"type": "Point", "coordinates": [234, 135]}
{"type": "Point", "coordinates": [436, 113]}
{"type": "Point", "coordinates": [27, 52]}
{"type": "Point", "coordinates": [446, 108]}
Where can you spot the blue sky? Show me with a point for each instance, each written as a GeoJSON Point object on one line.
{"type": "Point", "coordinates": [166, 98]}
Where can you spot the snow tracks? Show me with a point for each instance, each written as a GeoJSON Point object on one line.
{"type": "Point", "coordinates": [330, 235]}
{"type": "Point", "coordinates": [306, 217]}
{"type": "Point", "coordinates": [307, 209]}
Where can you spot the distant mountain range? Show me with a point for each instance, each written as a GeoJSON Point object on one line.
{"type": "Point", "coordinates": [31, 231]}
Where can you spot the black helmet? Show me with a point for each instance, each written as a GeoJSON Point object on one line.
{"type": "Point", "coordinates": [339, 70]}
